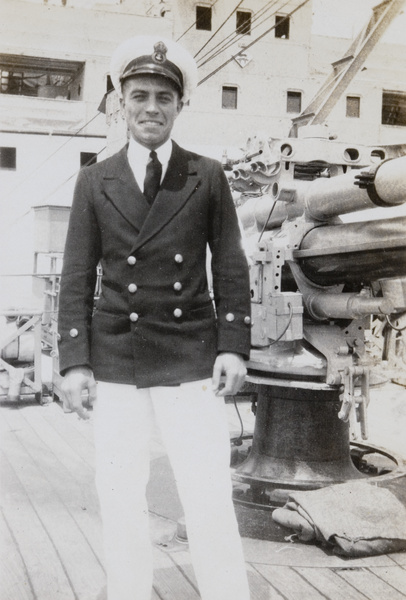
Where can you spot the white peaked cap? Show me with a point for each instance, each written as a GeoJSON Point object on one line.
{"type": "Point", "coordinates": [147, 54]}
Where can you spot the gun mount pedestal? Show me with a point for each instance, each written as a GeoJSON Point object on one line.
{"type": "Point", "coordinates": [298, 443]}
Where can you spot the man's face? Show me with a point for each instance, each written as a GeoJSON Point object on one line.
{"type": "Point", "coordinates": [150, 105]}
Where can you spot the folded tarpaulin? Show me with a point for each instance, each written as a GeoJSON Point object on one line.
{"type": "Point", "coordinates": [353, 519]}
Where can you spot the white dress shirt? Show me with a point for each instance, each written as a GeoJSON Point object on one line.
{"type": "Point", "coordinates": [138, 157]}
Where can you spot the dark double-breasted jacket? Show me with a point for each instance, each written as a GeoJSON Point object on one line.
{"type": "Point", "coordinates": [155, 322]}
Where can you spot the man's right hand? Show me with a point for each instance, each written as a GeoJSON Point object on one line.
{"type": "Point", "coordinates": [76, 381]}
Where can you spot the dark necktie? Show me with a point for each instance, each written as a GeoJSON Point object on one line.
{"type": "Point", "coordinates": [152, 177]}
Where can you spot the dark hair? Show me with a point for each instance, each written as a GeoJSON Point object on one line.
{"type": "Point", "coordinates": [169, 81]}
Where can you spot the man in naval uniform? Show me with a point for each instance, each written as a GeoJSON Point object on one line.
{"type": "Point", "coordinates": [157, 344]}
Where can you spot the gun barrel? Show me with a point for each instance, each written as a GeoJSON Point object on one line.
{"type": "Point", "coordinates": [354, 252]}
{"type": "Point", "coordinates": [327, 198]}
{"type": "Point", "coordinates": [347, 306]}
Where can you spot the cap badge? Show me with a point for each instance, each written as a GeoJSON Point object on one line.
{"type": "Point", "coordinates": [160, 51]}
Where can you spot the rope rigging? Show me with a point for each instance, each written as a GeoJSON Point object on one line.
{"type": "Point", "coordinates": [251, 44]}
{"type": "Point", "coordinates": [192, 25]}
{"type": "Point", "coordinates": [235, 35]}
{"type": "Point", "coordinates": [218, 29]}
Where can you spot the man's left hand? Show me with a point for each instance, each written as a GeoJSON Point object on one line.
{"type": "Point", "coordinates": [232, 366]}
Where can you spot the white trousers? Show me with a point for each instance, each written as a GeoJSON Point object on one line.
{"type": "Point", "coordinates": [194, 429]}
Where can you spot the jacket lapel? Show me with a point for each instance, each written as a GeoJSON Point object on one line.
{"type": "Point", "coordinates": [180, 181]}
{"type": "Point", "coordinates": [122, 190]}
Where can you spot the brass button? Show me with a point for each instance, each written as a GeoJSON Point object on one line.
{"type": "Point", "coordinates": [177, 286]}
{"type": "Point", "coordinates": [131, 260]}
{"type": "Point", "coordinates": [58, 337]}
{"type": "Point", "coordinates": [74, 333]}
{"type": "Point", "coordinates": [247, 320]}
{"type": "Point", "coordinates": [230, 317]}
{"type": "Point", "coordinates": [177, 313]}
{"type": "Point", "coordinates": [178, 258]}
{"type": "Point", "coordinates": [132, 288]}
{"type": "Point", "coordinates": [134, 317]}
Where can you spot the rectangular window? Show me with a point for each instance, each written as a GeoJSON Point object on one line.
{"type": "Point", "coordinates": [282, 27]}
{"type": "Point", "coordinates": [229, 97]}
{"type": "Point", "coordinates": [8, 158]}
{"type": "Point", "coordinates": [40, 77]}
{"type": "Point", "coordinates": [394, 108]}
{"type": "Point", "coordinates": [353, 105]}
{"type": "Point", "coordinates": [88, 158]}
{"type": "Point", "coordinates": [243, 22]}
{"type": "Point", "coordinates": [203, 18]}
{"type": "Point", "coordinates": [294, 102]}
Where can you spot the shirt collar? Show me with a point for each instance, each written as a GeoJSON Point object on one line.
{"type": "Point", "coordinates": [140, 154]}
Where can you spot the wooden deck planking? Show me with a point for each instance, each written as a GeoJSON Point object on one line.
{"type": "Point", "coordinates": [12, 566]}
{"type": "Point", "coordinates": [32, 543]}
{"type": "Point", "coordinates": [371, 584]}
{"type": "Point", "coordinates": [393, 576]}
{"type": "Point", "coordinates": [56, 433]}
{"type": "Point", "coordinates": [77, 433]}
{"type": "Point", "coordinates": [399, 558]}
{"type": "Point", "coordinates": [260, 588]}
{"type": "Point", "coordinates": [181, 558]}
{"type": "Point", "coordinates": [71, 477]}
{"type": "Point", "coordinates": [169, 580]}
{"type": "Point", "coordinates": [330, 584]}
{"type": "Point", "coordinates": [80, 563]}
{"type": "Point", "coordinates": [289, 583]}
{"type": "Point", "coordinates": [52, 530]}
{"type": "Point", "coordinates": [71, 480]}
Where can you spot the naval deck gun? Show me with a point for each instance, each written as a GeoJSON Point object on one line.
{"type": "Point", "coordinates": [317, 279]}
